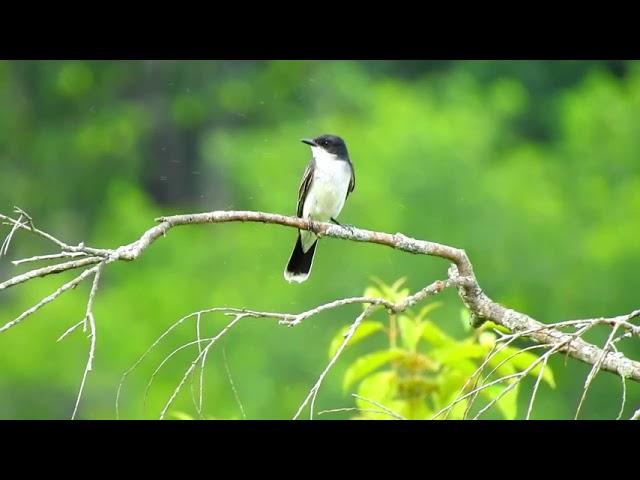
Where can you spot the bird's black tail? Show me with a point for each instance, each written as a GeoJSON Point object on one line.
{"type": "Point", "coordinates": [300, 262]}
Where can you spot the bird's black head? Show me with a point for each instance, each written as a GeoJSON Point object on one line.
{"type": "Point", "coordinates": [330, 143]}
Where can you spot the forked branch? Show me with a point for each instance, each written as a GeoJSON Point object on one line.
{"type": "Point", "coordinates": [460, 275]}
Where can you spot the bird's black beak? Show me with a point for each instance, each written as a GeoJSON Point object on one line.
{"type": "Point", "coordinates": [308, 141]}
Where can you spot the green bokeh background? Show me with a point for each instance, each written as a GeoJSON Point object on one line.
{"type": "Point", "coordinates": [532, 167]}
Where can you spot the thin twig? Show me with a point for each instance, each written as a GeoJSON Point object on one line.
{"type": "Point", "coordinates": [156, 342]}
{"type": "Point", "coordinates": [624, 387]}
{"type": "Point", "coordinates": [92, 335]}
{"type": "Point", "coordinates": [195, 362]}
{"type": "Point", "coordinates": [73, 283]}
{"type": "Point", "coordinates": [53, 269]}
{"type": "Point", "coordinates": [314, 390]}
{"type": "Point", "coordinates": [386, 409]}
{"type": "Point", "coordinates": [476, 376]}
{"type": "Point", "coordinates": [495, 369]}
{"type": "Point", "coordinates": [54, 256]}
{"type": "Point", "coordinates": [4, 248]}
{"type": "Point", "coordinates": [516, 375]}
{"type": "Point", "coordinates": [297, 319]}
{"type": "Point", "coordinates": [162, 363]}
{"type": "Point", "coordinates": [526, 371]}
{"type": "Point", "coordinates": [233, 385]}
{"type": "Point", "coordinates": [201, 385]}
{"type": "Point", "coordinates": [504, 341]}
{"type": "Point", "coordinates": [71, 330]}
{"type": "Point", "coordinates": [204, 359]}
{"type": "Point", "coordinates": [595, 369]}
{"type": "Point", "coordinates": [63, 246]}
{"type": "Point", "coordinates": [356, 409]}
{"type": "Point", "coordinates": [535, 388]}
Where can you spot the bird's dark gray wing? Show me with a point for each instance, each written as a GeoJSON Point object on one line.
{"type": "Point", "coordinates": [307, 177]}
{"type": "Point", "coordinates": [352, 182]}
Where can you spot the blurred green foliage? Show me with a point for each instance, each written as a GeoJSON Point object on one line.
{"type": "Point", "coordinates": [532, 167]}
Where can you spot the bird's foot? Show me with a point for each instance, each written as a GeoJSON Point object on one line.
{"type": "Point", "coordinates": [315, 227]}
{"type": "Point", "coordinates": [344, 225]}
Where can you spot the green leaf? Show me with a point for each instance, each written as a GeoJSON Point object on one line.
{"type": "Point", "coordinates": [365, 329]}
{"type": "Point", "coordinates": [465, 318]}
{"type": "Point", "coordinates": [417, 362]}
{"type": "Point", "coordinates": [397, 406]}
{"type": "Point", "coordinates": [410, 332]}
{"type": "Point", "coordinates": [367, 364]}
{"type": "Point", "coordinates": [380, 387]}
{"type": "Point", "coordinates": [427, 309]}
{"type": "Point", "coordinates": [523, 360]}
{"type": "Point", "coordinates": [520, 361]}
{"type": "Point", "coordinates": [508, 403]}
{"type": "Point", "coordinates": [398, 283]}
{"type": "Point", "coordinates": [489, 325]}
{"type": "Point", "coordinates": [402, 295]}
{"type": "Point", "coordinates": [182, 416]}
{"type": "Point", "coordinates": [415, 409]}
{"type": "Point", "coordinates": [392, 292]}
{"type": "Point", "coordinates": [452, 354]}
{"type": "Point", "coordinates": [467, 367]}
{"type": "Point", "coordinates": [449, 388]}
{"type": "Point", "coordinates": [456, 412]}
{"type": "Point", "coordinates": [434, 335]}
{"type": "Point", "coordinates": [372, 292]}
{"type": "Point", "coordinates": [381, 288]}
{"type": "Point", "coordinates": [488, 339]}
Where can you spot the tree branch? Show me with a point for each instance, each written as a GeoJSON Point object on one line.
{"type": "Point", "coordinates": [43, 272]}
{"type": "Point", "coordinates": [460, 275]}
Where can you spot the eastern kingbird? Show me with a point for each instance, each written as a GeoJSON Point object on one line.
{"type": "Point", "coordinates": [327, 182]}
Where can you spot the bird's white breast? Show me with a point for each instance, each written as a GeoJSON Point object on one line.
{"type": "Point", "coordinates": [329, 187]}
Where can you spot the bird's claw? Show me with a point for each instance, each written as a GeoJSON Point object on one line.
{"type": "Point", "coordinates": [314, 227]}
{"type": "Point", "coordinates": [344, 225]}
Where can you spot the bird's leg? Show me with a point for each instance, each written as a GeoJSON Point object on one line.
{"type": "Point", "coordinates": [314, 227]}
{"type": "Point", "coordinates": [347, 226]}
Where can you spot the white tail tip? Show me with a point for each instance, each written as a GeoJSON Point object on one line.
{"type": "Point", "coordinates": [295, 278]}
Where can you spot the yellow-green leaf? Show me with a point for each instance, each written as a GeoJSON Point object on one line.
{"type": "Point", "coordinates": [465, 318]}
{"type": "Point", "coordinates": [416, 409]}
{"type": "Point", "coordinates": [520, 361]}
{"type": "Point", "coordinates": [427, 309]}
{"type": "Point", "coordinates": [434, 335]}
{"type": "Point", "coordinates": [523, 360]}
{"type": "Point", "coordinates": [393, 292]}
{"type": "Point", "coordinates": [395, 406]}
{"type": "Point", "coordinates": [181, 416]}
{"type": "Point", "coordinates": [508, 403]}
{"type": "Point", "coordinates": [488, 339]}
{"type": "Point", "coordinates": [453, 353]}
{"type": "Point", "coordinates": [457, 411]}
{"type": "Point", "coordinates": [372, 292]}
{"type": "Point", "coordinates": [367, 364]}
{"type": "Point", "coordinates": [489, 325]}
{"type": "Point", "coordinates": [365, 329]}
{"type": "Point", "coordinates": [380, 387]}
{"type": "Point", "coordinates": [398, 283]}
{"type": "Point", "coordinates": [410, 332]}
